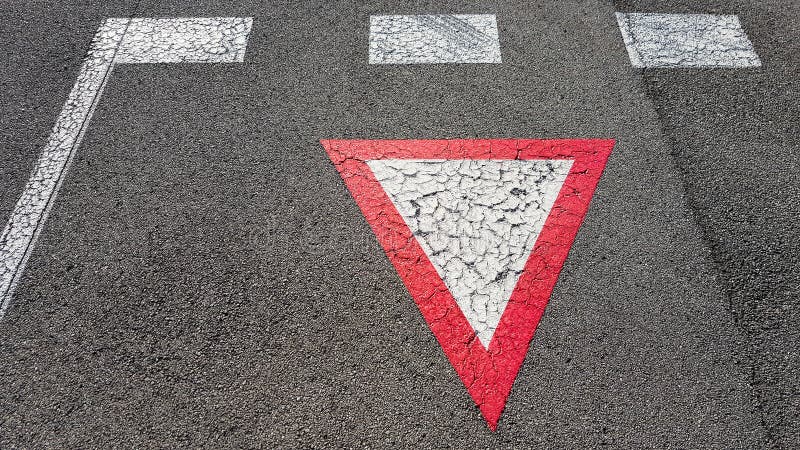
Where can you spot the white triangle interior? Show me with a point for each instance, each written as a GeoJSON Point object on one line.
{"type": "Point", "coordinates": [477, 221]}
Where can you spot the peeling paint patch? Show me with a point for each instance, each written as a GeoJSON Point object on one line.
{"type": "Point", "coordinates": [427, 39]}
{"type": "Point", "coordinates": [118, 40]}
{"type": "Point", "coordinates": [465, 224]}
{"type": "Point", "coordinates": [686, 40]}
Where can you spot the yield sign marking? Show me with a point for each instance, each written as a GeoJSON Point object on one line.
{"type": "Point", "coordinates": [478, 230]}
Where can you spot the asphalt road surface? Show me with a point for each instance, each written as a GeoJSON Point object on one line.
{"type": "Point", "coordinates": [206, 279]}
{"type": "Point", "coordinates": [734, 135]}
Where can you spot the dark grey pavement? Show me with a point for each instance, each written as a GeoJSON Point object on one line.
{"type": "Point", "coordinates": [205, 278]}
{"type": "Point", "coordinates": [734, 134]}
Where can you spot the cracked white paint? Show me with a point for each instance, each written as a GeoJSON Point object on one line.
{"type": "Point", "coordinates": [195, 40]}
{"type": "Point", "coordinates": [686, 40]}
{"type": "Point", "coordinates": [425, 39]}
{"type": "Point", "coordinates": [118, 40]}
{"type": "Point", "coordinates": [477, 220]}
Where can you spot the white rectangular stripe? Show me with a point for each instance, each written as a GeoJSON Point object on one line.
{"type": "Point", "coordinates": [185, 40]}
{"type": "Point", "coordinates": [686, 40]}
{"type": "Point", "coordinates": [426, 39]}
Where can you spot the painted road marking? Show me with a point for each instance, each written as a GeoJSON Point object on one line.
{"type": "Point", "coordinates": [686, 40]}
{"type": "Point", "coordinates": [185, 40]}
{"type": "Point", "coordinates": [477, 221]}
{"type": "Point", "coordinates": [430, 38]}
{"type": "Point", "coordinates": [452, 214]}
{"type": "Point", "coordinates": [118, 40]}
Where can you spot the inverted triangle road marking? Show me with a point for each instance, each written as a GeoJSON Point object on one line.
{"type": "Point", "coordinates": [476, 220]}
{"type": "Point", "coordinates": [478, 231]}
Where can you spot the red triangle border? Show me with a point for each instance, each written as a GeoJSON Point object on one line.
{"type": "Point", "coordinates": [487, 374]}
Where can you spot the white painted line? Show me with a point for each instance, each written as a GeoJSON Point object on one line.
{"type": "Point", "coordinates": [185, 40]}
{"type": "Point", "coordinates": [30, 212]}
{"type": "Point", "coordinates": [118, 40]}
{"type": "Point", "coordinates": [477, 221]}
{"type": "Point", "coordinates": [427, 39]}
{"type": "Point", "coordinates": [686, 40]}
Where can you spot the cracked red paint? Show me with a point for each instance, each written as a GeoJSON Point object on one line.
{"type": "Point", "coordinates": [489, 373]}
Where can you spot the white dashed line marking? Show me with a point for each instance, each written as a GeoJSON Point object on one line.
{"type": "Point", "coordinates": [427, 39]}
{"type": "Point", "coordinates": [477, 220]}
{"type": "Point", "coordinates": [119, 40]}
{"type": "Point", "coordinates": [686, 40]}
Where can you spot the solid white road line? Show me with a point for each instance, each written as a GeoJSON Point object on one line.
{"type": "Point", "coordinates": [686, 40]}
{"type": "Point", "coordinates": [425, 39]}
{"type": "Point", "coordinates": [119, 40]}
